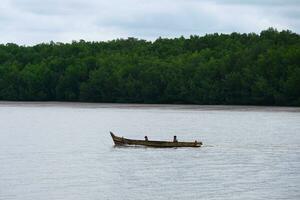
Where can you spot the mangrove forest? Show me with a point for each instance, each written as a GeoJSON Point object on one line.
{"type": "Point", "coordinates": [227, 69]}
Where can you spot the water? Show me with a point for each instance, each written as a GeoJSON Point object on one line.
{"type": "Point", "coordinates": [64, 151]}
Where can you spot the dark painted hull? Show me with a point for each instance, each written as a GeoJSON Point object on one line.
{"type": "Point", "coordinates": [121, 141]}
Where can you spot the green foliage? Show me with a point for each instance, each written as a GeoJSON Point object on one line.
{"type": "Point", "coordinates": [245, 69]}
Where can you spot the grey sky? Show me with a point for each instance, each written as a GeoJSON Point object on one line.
{"type": "Point", "coordinates": [35, 21]}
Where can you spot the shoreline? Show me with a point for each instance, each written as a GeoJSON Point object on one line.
{"type": "Point", "coordinates": [148, 106]}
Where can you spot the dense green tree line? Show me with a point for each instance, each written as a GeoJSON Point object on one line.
{"type": "Point", "coordinates": [254, 69]}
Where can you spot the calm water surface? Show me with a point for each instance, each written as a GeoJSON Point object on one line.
{"type": "Point", "coordinates": [64, 151]}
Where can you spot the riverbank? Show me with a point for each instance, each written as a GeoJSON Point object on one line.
{"type": "Point", "coordinates": [149, 106]}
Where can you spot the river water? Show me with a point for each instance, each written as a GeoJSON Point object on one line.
{"type": "Point", "coordinates": [64, 151]}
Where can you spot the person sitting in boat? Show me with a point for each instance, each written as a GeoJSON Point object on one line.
{"type": "Point", "coordinates": [175, 138]}
{"type": "Point", "coordinates": [146, 138]}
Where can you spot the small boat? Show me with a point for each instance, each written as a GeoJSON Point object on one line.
{"type": "Point", "coordinates": [121, 141]}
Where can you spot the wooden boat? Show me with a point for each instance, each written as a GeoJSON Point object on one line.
{"type": "Point", "coordinates": [121, 141]}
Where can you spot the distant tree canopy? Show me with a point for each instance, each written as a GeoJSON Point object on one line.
{"type": "Point", "coordinates": [244, 69]}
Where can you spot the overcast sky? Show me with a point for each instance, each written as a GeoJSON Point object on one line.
{"type": "Point", "coordinates": [34, 21]}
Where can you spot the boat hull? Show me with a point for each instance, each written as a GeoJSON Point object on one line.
{"type": "Point", "coordinates": [121, 141]}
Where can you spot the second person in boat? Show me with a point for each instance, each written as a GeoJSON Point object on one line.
{"type": "Point", "coordinates": [175, 138]}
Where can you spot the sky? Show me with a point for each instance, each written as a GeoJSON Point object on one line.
{"type": "Point", "coordinates": [29, 22]}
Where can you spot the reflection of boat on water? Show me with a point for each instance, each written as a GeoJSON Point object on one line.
{"type": "Point", "coordinates": [121, 141]}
